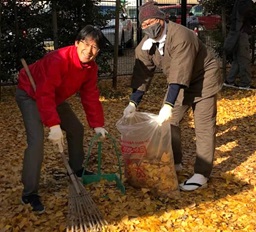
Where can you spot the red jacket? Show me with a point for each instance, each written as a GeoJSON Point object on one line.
{"type": "Point", "coordinates": [59, 75]}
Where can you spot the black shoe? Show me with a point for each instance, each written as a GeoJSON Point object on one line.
{"type": "Point", "coordinates": [34, 201]}
{"type": "Point", "coordinates": [82, 171]}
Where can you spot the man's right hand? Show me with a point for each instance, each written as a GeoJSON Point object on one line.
{"type": "Point", "coordinates": [56, 136]}
{"type": "Point", "coordinates": [129, 110]}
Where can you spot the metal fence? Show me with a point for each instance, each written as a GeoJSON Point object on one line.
{"type": "Point", "coordinates": [121, 63]}
{"type": "Point", "coordinates": [125, 61]}
{"type": "Point", "coordinates": [212, 36]}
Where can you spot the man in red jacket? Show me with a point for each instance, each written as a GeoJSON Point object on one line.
{"type": "Point", "coordinates": [57, 76]}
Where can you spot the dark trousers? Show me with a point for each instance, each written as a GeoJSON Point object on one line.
{"type": "Point", "coordinates": [241, 64]}
{"type": "Point", "coordinates": [204, 112]}
{"type": "Point", "coordinates": [33, 155]}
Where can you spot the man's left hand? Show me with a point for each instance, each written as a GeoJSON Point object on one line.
{"type": "Point", "coordinates": [165, 114]}
{"type": "Point", "coordinates": [100, 130]}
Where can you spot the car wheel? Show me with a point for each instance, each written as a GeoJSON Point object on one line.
{"type": "Point", "coordinates": [201, 27]}
{"type": "Point", "coordinates": [108, 45]}
{"type": "Point", "coordinates": [122, 46]}
{"type": "Point", "coordinates": [130, 43]}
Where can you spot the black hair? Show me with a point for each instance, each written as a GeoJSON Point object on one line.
{"type": "Point", "coordinates": [94, 33]}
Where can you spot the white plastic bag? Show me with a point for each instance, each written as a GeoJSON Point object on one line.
{"type": "Point", "coordinates": [147, 153]}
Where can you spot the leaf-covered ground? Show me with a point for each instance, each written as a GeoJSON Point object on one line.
{"type": "Point", "coordinates": [228, 204]}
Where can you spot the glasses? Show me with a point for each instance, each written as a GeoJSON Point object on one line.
{"type": "Point", "coordinates": [88, 46]}
{"type": "Point", "coordinates": [148, 23]}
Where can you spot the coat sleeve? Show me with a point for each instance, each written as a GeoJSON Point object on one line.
{"type": "Point", "coordinates": [89, 94]}
{"type": "Point", "coordinates": [244, 7]}
{"type": "Point", "coordinates": [143, 70]}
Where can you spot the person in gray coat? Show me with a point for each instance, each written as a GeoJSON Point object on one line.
{"type": "Point", "coordinates": [193, 79]}
{"type": "Point", "coordinates": [242, 18]}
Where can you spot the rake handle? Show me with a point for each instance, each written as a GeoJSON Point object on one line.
{"type": "Point", "coordinates": [25, 66]}
{"type": "Point", "coordinates": [70, 173]}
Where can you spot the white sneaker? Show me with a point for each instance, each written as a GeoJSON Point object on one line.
{"type": "Point", "coordinates": [247, 87]}
{"type": "Point", "coordinates": [197, 181]}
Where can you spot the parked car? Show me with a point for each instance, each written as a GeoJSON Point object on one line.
{"type": "Point", "coordinates": [201, 19]}
{"type": "Point", "coordinates": [173, 13]}
{"type": "Point", "coordinates": [126, 31]}
{"type": "Point", "coordinates": [207, 20]}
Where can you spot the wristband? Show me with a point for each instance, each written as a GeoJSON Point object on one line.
{"type": "Point", "coordinates": [172, 94]}
{"type": "Point", "coordinates": [136, 96]}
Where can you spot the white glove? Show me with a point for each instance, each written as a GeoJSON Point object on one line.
{"type": "Point", "coordinates": [165, 114]}
{"type": "Point", "coordinates": [56, 137]}
{"type": "Point", "coordinates": [100, 130]}
{"type": "Point", "coordinates": [129, 110]}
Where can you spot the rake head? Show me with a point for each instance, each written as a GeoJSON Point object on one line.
{"type": "Point", "coordinates": [83, 213]}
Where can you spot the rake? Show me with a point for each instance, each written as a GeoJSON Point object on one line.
{"type": "Point", "coordinates": [83, 213]}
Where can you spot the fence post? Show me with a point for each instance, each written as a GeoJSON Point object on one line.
{"type": "Point", "coordinates": [183, 12]}
{"type": "Point", "coordinates": [0, 49]}
{"type": "Point", "coordinates": [139, 31]}
{"type": "Point", "coordinates": [253, 44]}
{"type": "Point", "coordinates": [116, 45]}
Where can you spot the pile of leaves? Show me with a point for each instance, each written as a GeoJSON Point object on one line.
{"type": "Point", "coordinates": [228, 204]}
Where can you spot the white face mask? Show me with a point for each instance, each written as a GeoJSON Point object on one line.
{"type": "Point", "coordinates": [254, 1]}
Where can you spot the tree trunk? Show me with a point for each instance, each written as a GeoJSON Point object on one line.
{"type": "Point", "coordinates": [224, 32]}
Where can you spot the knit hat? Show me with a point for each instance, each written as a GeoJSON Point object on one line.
{"type": "Point", "coordinates": [150, 10]}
